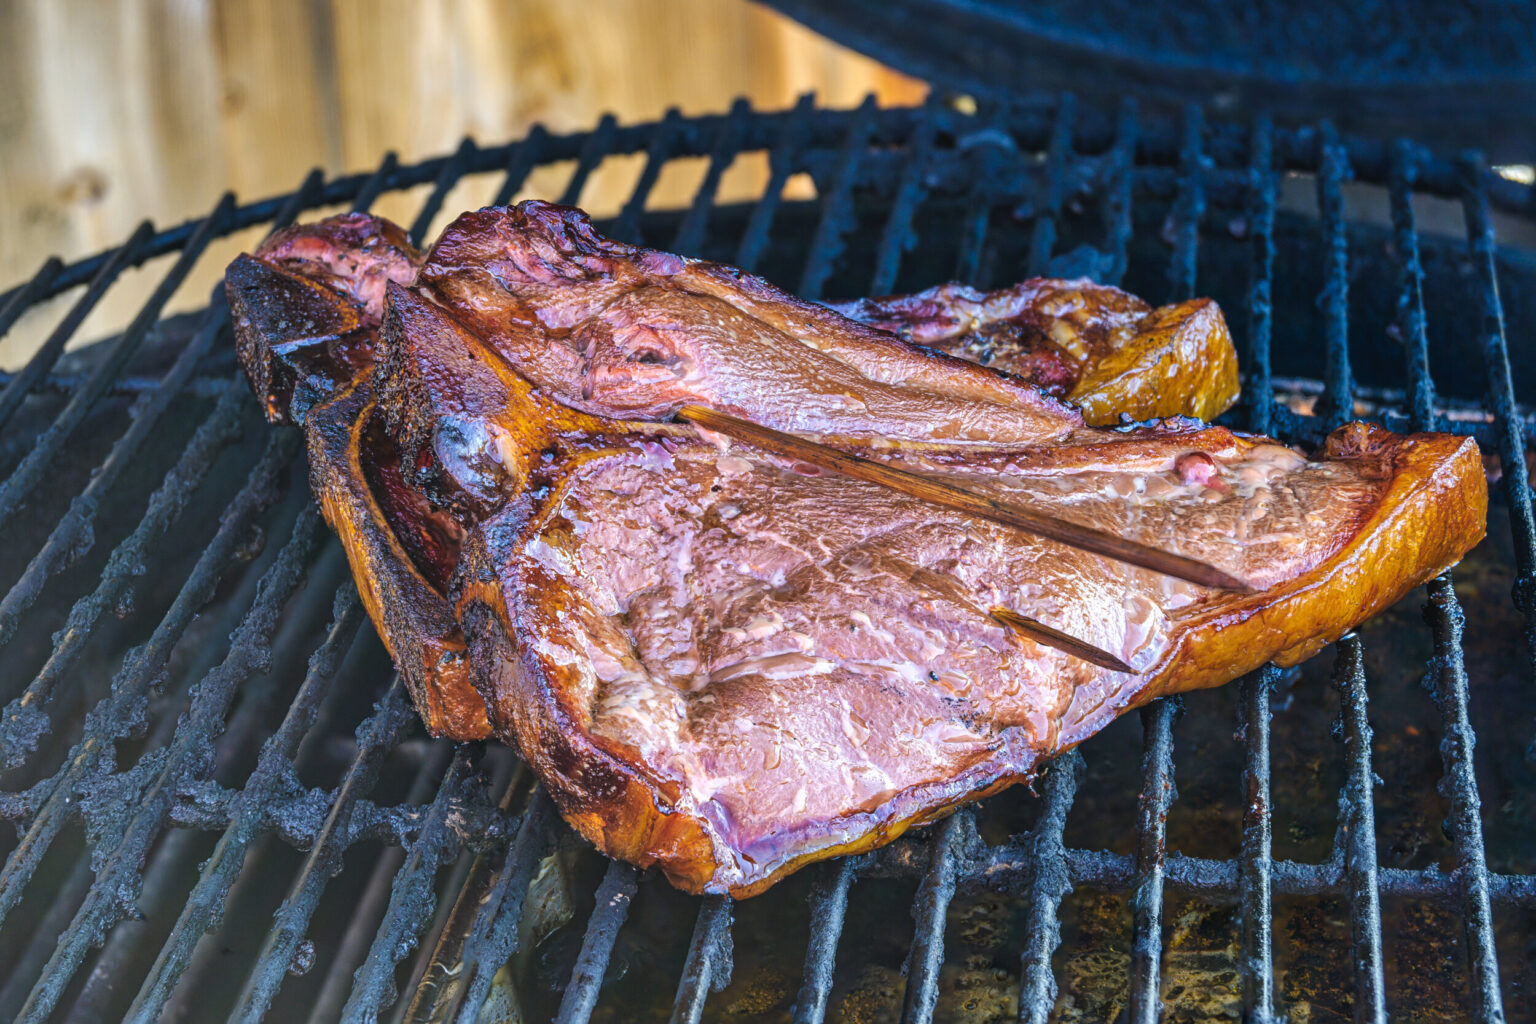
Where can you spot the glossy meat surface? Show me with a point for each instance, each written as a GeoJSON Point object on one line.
{"type": "Point", "coordinates": [1101, 349]}
{"type": "Point", "coordinates": [726, 665]}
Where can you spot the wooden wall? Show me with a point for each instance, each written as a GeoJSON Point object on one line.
{"type": "Point", "coordinates": [116, 110]}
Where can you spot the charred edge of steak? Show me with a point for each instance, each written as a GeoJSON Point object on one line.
{"type": "Point", "coordinates": [430, 537]}
{"type": "Point", "coordinates": [297, 340]}
{"type": "Point", "coordinates": [386, 532]}
{"type": "Point", "coordinates": [306, 306]}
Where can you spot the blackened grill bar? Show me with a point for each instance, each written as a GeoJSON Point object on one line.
{"type": "Point", "coordinates": [1157, 148]}
{"type": "Point", "coordinates": [896, 157]}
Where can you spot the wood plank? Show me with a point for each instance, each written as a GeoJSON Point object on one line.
{"type": "Point", "coordinates": [117, 110]}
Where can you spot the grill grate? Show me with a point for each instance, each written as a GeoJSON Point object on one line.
{"type": "Point", "coordinates": [186, 728]}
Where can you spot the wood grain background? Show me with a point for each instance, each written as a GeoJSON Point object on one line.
{"type": "Point", "coordinates": [112, 111]}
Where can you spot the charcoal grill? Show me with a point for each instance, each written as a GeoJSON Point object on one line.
{"type": "Point", "coordinates": [224, 806]}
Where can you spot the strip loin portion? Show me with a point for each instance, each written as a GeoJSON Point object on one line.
{"type": "Point", "coordinates": [727, 666]}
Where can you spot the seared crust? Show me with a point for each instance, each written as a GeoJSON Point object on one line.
{"type": "Point", "coordinates": [306, 307]}
{"type": "Point", "coordinates": [285, 327]}
{"type": "Point", "coordinates": [413, 619]}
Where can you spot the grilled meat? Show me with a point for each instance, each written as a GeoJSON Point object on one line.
{"type": "Point", "coordinates": [307, 307]}
{"type": "Point", "coordinates": [729, 663]}
{"type": "Point", "coordinates": [722, 664]}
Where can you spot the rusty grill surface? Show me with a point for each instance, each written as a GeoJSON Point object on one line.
{"type": "Point", "coordinates": [223, 804]}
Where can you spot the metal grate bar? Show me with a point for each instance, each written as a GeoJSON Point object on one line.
{"type": "Point", "coordinates": [1295, 150]}
{"type": "Point", "coordinates": [1189, 206]}
{"type": "Point", "coordinates": [48, 354]}
{"type": "Point", "coordinates": [837, 212]}
{"type": "Point", "coordinates": [412, 897]}
{"type": "Point", "coordinates": [22, 725]}
{"type": "Point", "coordinates": [599, 145]}
{"type": "Point", "coordinates": [1117, 196]}
{"type": "Point", "coordinates": [783, 160]}
{"type": "Point", "coordinates": [988, 149]}
{"type": "Point", "coordinates": [273, 771]}
{"type": "Point", "coordinates": [393, 716]}
{"type": "Point", "coordinates": [448, 177]}
{"type": "Point", "coordinates": [173, 859]}
{"type": "Point", "coordinates": [493, 934]}
{"type": "Point", "coordinates": [1447, 683]}
{"type": "Point", "coordinates": [1258, 390]}
{"type": "Point", "coordinates": [829, 906]}
{"type": "Point", "coordinates": [1049, 884]}
{"type": "Point", "coordinates": [525, 156]}
{"type": "Point", "coordinates": [439, 962]}
{"type": "Point", "coordinates": [708, 965]}
{"type": "Point", "coordinates": [1254, 900]}
{"type": "Point", "coordinates": [610, 909]}
{"type": "Point", "coordinates": [931, 910]}
{"type": "Point", "coordinates": [1501, 389]}
{"type": "Point", "coordinates": [689, 240]}
{"type": "Point", "coordinates": [439, 978]}
{"type": "Point", "coordinates": [27, 475]}
{"type": "Point", "coordinates": [1157, 793]}
{"type": "Point", "coordinates": [43, 935]}
{"type": "Point", "coordinates": [1058, 158]}
{"type": "Point", "coordinates": [1337, 406]}
{"type": "Point", "coordinates": [375, 183]}
{"type": "Point", "coordinates": [1355, 844]}
{"type": "Point", "coordinates": [111, 717]}
{"type": "Point", "coordinates": [188, 755]}
{"type": "Point", "coordinates": [626, 228]}
{"type": "Point", "coordinates": [899, 236]}
{"type": "Point", "coordinates": [73, 535]}
{"type": "Point", "coordinates": [1410, 299]}
{"type": "Point", "coordinates": [367, 911]}
{"type": "Point", "coordinates": [34, 291]}
{"type": "Point", "coordinates": [1200, 876]}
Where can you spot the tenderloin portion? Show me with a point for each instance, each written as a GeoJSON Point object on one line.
{"type": "Point", "coordinates": [1101, 349]}
{"type": "Point", "coordinates": [730, 665]}
{"type": "Point", "coordinates": [630, 333]}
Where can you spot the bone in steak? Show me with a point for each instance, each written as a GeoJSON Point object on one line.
{"type": "Point", "coordinates": [728, 663]}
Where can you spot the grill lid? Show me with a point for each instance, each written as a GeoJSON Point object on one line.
{"type": "Point", "coordinates": [1455, 75]}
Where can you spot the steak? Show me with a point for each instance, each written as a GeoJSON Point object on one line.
{"type": "Point", "coordinates": [726, 665]}
{"type": "Point", "coordinates": [729, 663]}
